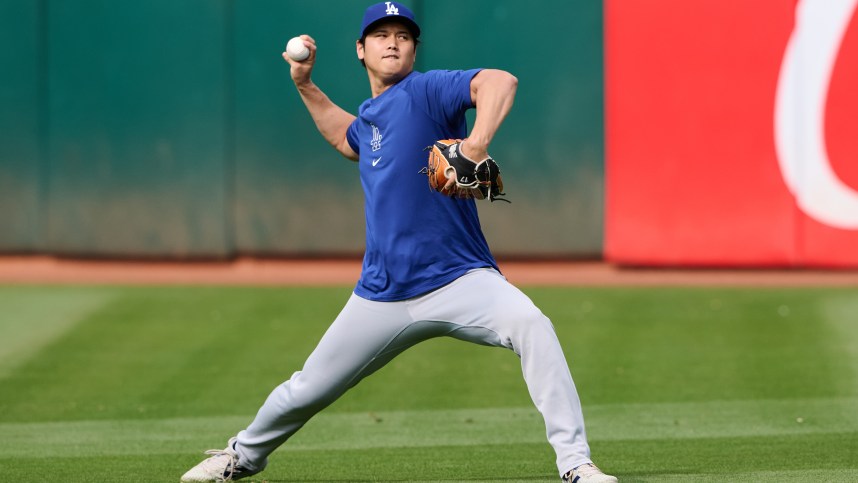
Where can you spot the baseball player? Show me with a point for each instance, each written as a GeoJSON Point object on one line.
{"type": "Point", "coordinates": [427, 271]}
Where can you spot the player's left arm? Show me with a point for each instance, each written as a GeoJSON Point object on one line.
{"type": "Point", "coordinates": [492, 92]}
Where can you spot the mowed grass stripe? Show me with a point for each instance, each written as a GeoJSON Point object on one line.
{"type": "Point", "coordinates": [763, 459]}
{"type": "Point", "coordinates": [508, 463]}
{"type": "Point", "coordinates": [30, 319]}
{"type": "Point", "coordinates": [718, 459]}
{"type": "Point", "coordinates": [832, 476]}
{"type": "Point", "coordinates": [713, 419]}
{"type": "Point", "coordinates": [400, 429]}
{"type": "Point", "coordinates": [840, 314]}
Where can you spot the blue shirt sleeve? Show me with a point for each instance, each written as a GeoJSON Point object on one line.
{"type": "Point", "coordinates": [352, 136]}
{"type": "Point", "coordinates": [446, 95]}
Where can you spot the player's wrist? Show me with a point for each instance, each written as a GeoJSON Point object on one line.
{"type": "Point", "coordinates": [306, 87]}
{"type": "Point", "coordinates": [474, 149]}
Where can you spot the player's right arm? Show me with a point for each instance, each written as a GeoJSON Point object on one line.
{"type": "Point", "coordinates": [331, 120]}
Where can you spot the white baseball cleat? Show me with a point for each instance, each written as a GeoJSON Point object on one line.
{"type": "Point", "coordinates": [222, 465]}
{"type": "Point", "coordinates": [587, 473]}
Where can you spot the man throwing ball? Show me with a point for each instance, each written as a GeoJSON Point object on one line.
{"type": "Point", "coordinates": [427, 271]}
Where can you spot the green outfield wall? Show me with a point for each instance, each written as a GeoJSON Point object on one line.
{"type": "Point", "coordinates": [171, 128]}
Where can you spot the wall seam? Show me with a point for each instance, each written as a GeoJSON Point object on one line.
{"type": "Point", "coordinates": [230, 189]}
{"type": "Point", "coordinates": [42, 242]}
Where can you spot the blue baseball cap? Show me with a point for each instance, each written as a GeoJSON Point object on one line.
{"type": "Point", "coordinates": [386, 11]}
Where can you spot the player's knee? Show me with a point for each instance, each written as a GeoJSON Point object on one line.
{"type": "Point", "coordinates": [304, 395]}
{"type": "Point", "coordinates": [538, 325]}
{"type": "Point", "coordinates": [525, 323]}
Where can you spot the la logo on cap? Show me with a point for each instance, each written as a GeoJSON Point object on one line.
{"type": "Point", "coordinates": [385, 10]}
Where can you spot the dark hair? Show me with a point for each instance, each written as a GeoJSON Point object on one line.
{"type": "Point", "coordinates": [372, 27]}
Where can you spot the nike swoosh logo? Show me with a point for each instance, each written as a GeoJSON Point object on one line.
{"type": "Point", "coordinates": [376, 160]}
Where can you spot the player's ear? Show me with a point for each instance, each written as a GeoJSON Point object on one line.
{"type": "Point", "coordinates": [359, 49]}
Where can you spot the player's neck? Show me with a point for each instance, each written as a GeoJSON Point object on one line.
{"type": "Point", "coordinates": [378, 84]}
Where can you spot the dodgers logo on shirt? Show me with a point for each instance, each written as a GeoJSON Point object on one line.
{"type": "Point", "coordinates": [376, 138]}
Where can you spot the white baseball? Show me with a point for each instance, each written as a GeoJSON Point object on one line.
{"type": "Point", "coordinates": [296, 50]}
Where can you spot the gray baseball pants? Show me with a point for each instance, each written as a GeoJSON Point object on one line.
{"type": "Point", "coordinates": [480, 307]}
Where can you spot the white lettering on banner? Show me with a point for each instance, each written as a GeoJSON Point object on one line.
{"type": "Point", "coordinates": [800, 102]}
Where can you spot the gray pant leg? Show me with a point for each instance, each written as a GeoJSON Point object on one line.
{"type": "Point", "coordinates": [363, 338]}
{"type": "Point", "coordinates": [489, 310]}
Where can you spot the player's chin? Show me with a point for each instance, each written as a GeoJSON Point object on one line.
{"type": "Point", "coordinates": [395, 64]}
{"type": "Point", "coordinates": [392, 66]}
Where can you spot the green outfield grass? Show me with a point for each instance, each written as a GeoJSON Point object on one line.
{"type": "Point", "coordinates": [103, 384]}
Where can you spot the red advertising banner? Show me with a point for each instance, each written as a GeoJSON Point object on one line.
{"type": "Point", "coordinates": [732, 132]}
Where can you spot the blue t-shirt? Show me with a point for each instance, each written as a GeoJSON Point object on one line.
{"type": "Point", "coordinates": [417, 239]}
